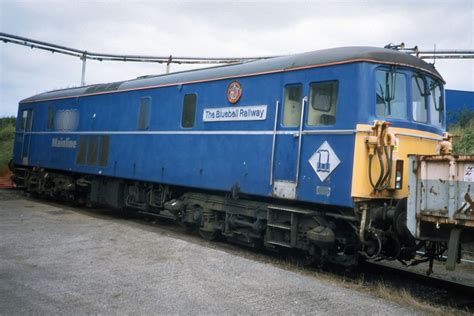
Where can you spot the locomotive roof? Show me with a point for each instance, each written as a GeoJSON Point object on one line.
{"type": "Point", "coordinates": [312, 59]}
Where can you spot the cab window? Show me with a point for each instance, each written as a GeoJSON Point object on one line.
{"type": "Point", "coordinates": [436, 104]}
{"type": "Point", "coordinates": [419, 98]}
{"type": "Point", "coordinates": [390, 92]}
{"type": "Point", "coordinates": [292, 105]}
{"type": "Point", "coordinates": [322, 103]}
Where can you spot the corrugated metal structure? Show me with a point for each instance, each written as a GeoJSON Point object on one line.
{"type": "Point", "coordinates": [456, 100]}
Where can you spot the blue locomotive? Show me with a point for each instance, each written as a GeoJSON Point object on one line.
{"type": "Point", "coordinates": [306, 152]}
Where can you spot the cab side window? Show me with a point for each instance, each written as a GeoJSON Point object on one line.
{"type": "Point", "coordinates": [292, 105]}
{"type": "Point", "coordinates": [436, 104]}
{"type": "Point", "coordinates": [323, 103]}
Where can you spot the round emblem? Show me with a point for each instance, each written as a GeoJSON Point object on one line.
{"type": "Point", "coordinates": [234, 92]}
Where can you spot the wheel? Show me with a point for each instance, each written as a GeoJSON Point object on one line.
{"type": "Point", "coordinates": [307, 260]}
{"type": "Point", "coordinates": [400, 223]}
{"type": "Point", "coordinates": [302, 259]}
{"type": "Point", "coordinates": [206, 229]}
{"type": "Point", "coordinates": [209, 235]}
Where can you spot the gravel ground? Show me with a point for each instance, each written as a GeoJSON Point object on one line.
{"type": "Point", "coordinates": [57, 260]}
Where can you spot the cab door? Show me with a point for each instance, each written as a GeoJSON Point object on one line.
{"type": "Point", "coordinates": [26, 127]}
{"type": "Point", "coordinates": [288, 141]}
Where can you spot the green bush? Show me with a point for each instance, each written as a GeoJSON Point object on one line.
{"type": "Point", "coordinates": [7, 121]}
{"type": "Point", "coordinates": [464, 144]}
{"type": "Point", "coordinates": [7, 134]}
{"type": "Point", "coordinates": [463, 131]}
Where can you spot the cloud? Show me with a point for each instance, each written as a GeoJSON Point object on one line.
{"type": "Point", "coordinates": [224, 28]}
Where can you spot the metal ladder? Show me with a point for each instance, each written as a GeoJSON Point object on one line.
{"type": "Point", "coordinates": [20, 174]}
{"type": "Point", "coordinates": [282, 225]}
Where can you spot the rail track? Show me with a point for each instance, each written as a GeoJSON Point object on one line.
{"type": "Point", "coordinates": [433, 289]}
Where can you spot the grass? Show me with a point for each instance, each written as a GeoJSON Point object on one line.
{"type": "Point", "coordinates": [406, 298]}
{"type": "Point", "coordinates": [7, 134]}
{"type": "Point", "coordinates": [386, 290]}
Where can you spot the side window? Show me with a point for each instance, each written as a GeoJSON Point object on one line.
{"type": "Point", "coordinates": [436, 104]}
{"type": "Point", "coordinates": [322, 103]}
{"type": "Point", "coordinates": [419, 92]}
{"type": "Point", "coordinates": [189, 111]}
{"type": "Point", "coordinates": [143, 114]}
{"type": "Point", "coordinates": [50, 118]}
{"type": "Point", "coordinates": [390, 93]}
{"type": "Point", "coordinates": [292, 105]}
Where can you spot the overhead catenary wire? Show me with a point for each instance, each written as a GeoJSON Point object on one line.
{"type": "Point", "coordinates": [9, 38]}
{"type": "Point", "coordinates": [85, 55]}
{"type": "Point", "coordinates": [55, 48]}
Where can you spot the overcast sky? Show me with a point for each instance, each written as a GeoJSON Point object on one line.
{"type": "Point", "coordinates": [221, 28]}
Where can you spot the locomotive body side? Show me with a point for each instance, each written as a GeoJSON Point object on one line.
{"type": "Point", "coordinates": [212, 155]}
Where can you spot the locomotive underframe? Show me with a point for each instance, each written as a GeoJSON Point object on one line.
{"type": "Point", "coordinates": [321, 234]}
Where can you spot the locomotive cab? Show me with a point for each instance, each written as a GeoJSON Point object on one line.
{"type": "Point", "coordinates": [408, 131]}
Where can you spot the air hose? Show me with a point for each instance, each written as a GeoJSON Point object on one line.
{"type": "Point", "coordinates": [383, 181]}
{"type": "Point", "coordinates": [388, 176]}
{"type": "Point", "coordinates": [382, 144]}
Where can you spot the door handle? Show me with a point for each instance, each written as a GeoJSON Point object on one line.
{"type": "Point", "coordinates": [300, 131]}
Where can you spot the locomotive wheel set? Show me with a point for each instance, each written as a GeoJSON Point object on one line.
{"type": "Point", "coordinates": [306, 153]}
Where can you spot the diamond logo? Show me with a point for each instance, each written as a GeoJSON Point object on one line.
{"type": "Point", "coordinates": [324, 161]}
